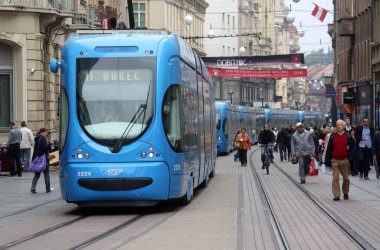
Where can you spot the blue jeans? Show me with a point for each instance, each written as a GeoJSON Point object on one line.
{"type": "Point", "coordinates": [37, 176]}
{"type": "Point", "coordinates": [263, 147]}
{"type": "Point", "coordinates": [25, 157]}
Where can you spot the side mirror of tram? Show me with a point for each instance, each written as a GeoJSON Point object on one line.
{"type": "Point", "coordinates": [54, 65]}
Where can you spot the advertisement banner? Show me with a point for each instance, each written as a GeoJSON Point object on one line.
{"type": "Point", "coordinates": [257, 73]}
{"type": "Point", "coordinates": [244, 61]}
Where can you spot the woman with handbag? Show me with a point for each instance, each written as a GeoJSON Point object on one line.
{"type": "Point", "coordinates": [41, 148]}
{"type": "Point", "coordinates": [244, 145]}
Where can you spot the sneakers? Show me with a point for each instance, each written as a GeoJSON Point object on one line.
{"type": "Point", "coordinates": [33, 190]}
{"type": "Point", "coordinates": [336, 199]}
{"type": "Point", "coordinates": [366, 177]}
{"type": "Point", "coordinates": [303, 182]}
{"type": "Point", "coordinates": [346, 196]}
{"type": "Point", "coordinates": [48, 190]}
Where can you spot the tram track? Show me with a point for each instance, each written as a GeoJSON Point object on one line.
{"type": "Point", "coordinates": [107, 224]}
{"type": "Point", "coordinates": [339, 222]}
{"type": "Point", "coordinates": [357, 239]}
{"type": "Point", "coordinates": [40, 233]}
{"type": "Point", "coordinates": [107, 233]}
{"type": "Point", "coordinates": [277, 231]}
{"type": "Point", "coordinates": [28, 209]}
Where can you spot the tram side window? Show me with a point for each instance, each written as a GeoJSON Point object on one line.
{"type": "Point", "coordinates": [225, 127]}
{"type": "Point", "coordinates": [172, 118]}
{"type": "Point", "coordinates": [217, 121]}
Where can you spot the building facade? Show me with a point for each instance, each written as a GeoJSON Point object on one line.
{"type": "Point", "coordinates": [376, 58]}
{"type": "Point", "coordinates": [32, 33]}
{"type": "Point", "coordinates": [252, 28]}
{"type": "Point", "coordinates": [352, 40]}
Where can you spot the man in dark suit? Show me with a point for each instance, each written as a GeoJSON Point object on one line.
{"type": "Point", "coordinates": [348, 127]}
{"type": "Point", "coordinates": [364, 135]}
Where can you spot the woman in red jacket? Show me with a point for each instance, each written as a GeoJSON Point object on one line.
{"type": "Point", "coordinates": [245, 145]}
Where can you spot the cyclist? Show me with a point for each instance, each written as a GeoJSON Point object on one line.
{"type": "Point", "coordinates": [266, 138]}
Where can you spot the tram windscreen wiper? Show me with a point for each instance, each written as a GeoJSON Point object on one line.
{"type": "Point", "coordinates": [128, 129]}
{"type": "Point", "coordinates": [141, 110]}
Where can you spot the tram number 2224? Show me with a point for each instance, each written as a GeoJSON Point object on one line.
{"type": "Point", "coordinates": [110, 172]}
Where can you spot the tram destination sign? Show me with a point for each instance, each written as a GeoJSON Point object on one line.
{"type": "Point", "coordinates": [242, 61]}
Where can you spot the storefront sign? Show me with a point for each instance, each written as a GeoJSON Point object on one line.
{"type": "Point", "coordinates": [258, 73]}
{"type": "Point", "coordinates": [339, 96]}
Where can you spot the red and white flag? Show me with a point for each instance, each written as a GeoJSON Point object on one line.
{"type": "Point", "coordinates": [319, 13]}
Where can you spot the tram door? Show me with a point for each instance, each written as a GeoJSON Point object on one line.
{"type": "Point", "coordinates": [201, 130]}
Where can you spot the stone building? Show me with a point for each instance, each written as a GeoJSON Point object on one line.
{"type": "Point", "coordinates": [31, 33]}
{"type": "Point", "coordinates": [352, 40]}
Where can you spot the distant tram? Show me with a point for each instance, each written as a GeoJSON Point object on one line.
{"type": "Point", "coordinates": [137, 119]}
{"type": "Point", "coordinates": [231, 117]}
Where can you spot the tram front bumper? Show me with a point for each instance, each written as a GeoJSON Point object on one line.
{"type": "Point", "coordinates": [115, 182]}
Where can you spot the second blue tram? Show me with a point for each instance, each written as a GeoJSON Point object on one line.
{"type": "Point", "coordinates": [231, 117]}
{"type": "Point", "coordinates": [137, 119]}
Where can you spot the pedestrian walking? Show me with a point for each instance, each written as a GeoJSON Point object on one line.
{"type": "Point", "coordinates": [26, 145]}
{"type": "Point", "coordinates": [281, 142]}
{"type": "Point", "coordinates": [354, 165]}
{"type": "Point", "coordinates": [348, 127]}
{"type": "Point", "coordinates": [302, 149]}
{"type": "Point", "coordinates": [244, 146]}
{"type": "Point", "coordinates": [340, 149]}
{"type": "Point", "coordinates": [364, 134]}
{"type": "Point", "coordinates": [237, 145]}
{"type": "Point", "coordinates": [13, 145]}
{"type": "Point", "coordinates": [376, 147]}
{"type": "Point", "coordinates": [41, 147]}
{"type": "Point", "coordinates": [288, 142]}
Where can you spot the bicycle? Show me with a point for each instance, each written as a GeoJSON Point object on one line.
{"type": "Point", "coordinates": [267, 159]}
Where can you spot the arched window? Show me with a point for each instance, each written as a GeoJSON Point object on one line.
{"type": "Point", "coordinates": [6, 70]}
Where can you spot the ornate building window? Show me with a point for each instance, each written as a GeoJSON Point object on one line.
{"type": "Point", "coordinates": [6, 75]}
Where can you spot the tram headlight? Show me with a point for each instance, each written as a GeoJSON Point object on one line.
{"type": "Point", "coordinates": [80, 156]}
{"type": "Point", "coordinates": [86, 155]}
{"type": "Point", "coordinates": [219, 139]}
{"type": "Point", "coordinates": [151, 154]}
{"type": "Point", "coordinates": [143, 154]}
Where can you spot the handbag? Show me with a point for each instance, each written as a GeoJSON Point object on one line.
{"type": "Point", "coordinates": [312, 170]}
{"type": "Point", "coordinates": [39, 162]}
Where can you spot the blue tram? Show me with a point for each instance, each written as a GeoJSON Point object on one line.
{"type": "Point", "coordinates": [137, 119]}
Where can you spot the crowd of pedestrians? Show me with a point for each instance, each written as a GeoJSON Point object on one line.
{"type": "Point", "coordinates": [18, 148]}
{"type": "Point", "coordinates": [346, 149]}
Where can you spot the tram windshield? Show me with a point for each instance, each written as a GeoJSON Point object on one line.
{"type": "Point", "coordinates": [110, 91]}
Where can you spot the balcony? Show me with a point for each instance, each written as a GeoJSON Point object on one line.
{"type": "Point", "coordinates": [346, 26]}
{"type": "Point", "coordinates": [45, 6]}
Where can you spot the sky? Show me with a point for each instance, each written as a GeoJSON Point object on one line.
{"type": "Point", "coordinates": [315, 30]}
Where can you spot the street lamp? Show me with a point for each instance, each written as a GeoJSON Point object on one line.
{"type": "Point", "coordinates": [242, 50]}
{"type": "Point", "coordinates": [230, 93]}
{"type": "Point", "coordinates": [261, 96]}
